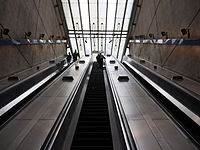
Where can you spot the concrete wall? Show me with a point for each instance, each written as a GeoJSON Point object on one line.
{"type": "Point", "coordinates": [156, 16]}
{"type": "Point", "coordinates": [38, 17]}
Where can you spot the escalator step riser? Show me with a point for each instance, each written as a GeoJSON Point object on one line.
{"type": "Point", "coordinates": [92, 135]}
{"type": "Point", "coordinates": [92, 119]}
{"type": "Point", "coordinates": [93, 103]}
{"type": "Point", "coordinates": [92, 147]}
{"type": "Point", "coordinates": [92, 100]}
{"type": "Point", "coordinates": [95, 107]}
{"type": "Point", "coordinates": [93, 129]}
{"type": "Point", "coordinates": [93, 123]}
{"type": "Point", "coordinates": [93, 142]}
{"type": "Point", "coordinates": [95, 96]}
{"type": "Point", "coordinates": [95, 110]}
{"type": "Point", "coordinates": [94, 113]}
{"type": "Point", "coordinates": [98, 116]}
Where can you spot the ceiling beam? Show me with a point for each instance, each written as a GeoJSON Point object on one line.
{"type": "Point", "coordinates": [108, 37]}
{"type": "Point", "coordinates": [101, 34]}
{"type": "Point", "coordinates": [79, 7]}
{"type": "Point", "coordinates": [106, 24]}
{"type": "Point", "coordinates": [89, 25]}
{"type": "Point", "coordinates": [98, 23]}
{"type": "Point", "coordinates": [63, 19]}
{"type": "Point", "coordinates": [122, 27]}
{"type": "Point", "coordinates": [101, 31]}
{"type": "Point", "coordinates": [73, 25]}
{"type": "Point", "coordinates": [131, 24]}
{"type": "Point", "coordinates": [114, 26]}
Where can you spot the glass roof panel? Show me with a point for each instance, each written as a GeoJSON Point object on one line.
{"type": "Point", "coordinates": [115, 47]}
{"type": "Point", "coordinates": [102, 14]}
{"type": "Point", "coordinates": [94, 15]}
{"type": "Point", "coordinates": [85, 15]}
{"type": "Point", "coordinates": [111, 15]}
{"type": "Point", "coordinates": [67, 15]}
{"type": "Point", "coordinates": [108, 46]}
{"type": "Point", "coordinates": [128, 15]}
{"type": "Point", "coordinates": [81, 47]}
{"type": "Point", "coordinates": [120, 10]}
{"type": "Point", "coordinates": [121, 47]}
{"type": "Point", "coordinates": [75, 13]}
{"type": "Point", "coordinates": [73, 43]}
{"type": "Point", "coordinates": [88, 45]}
{"type": "Point", "coordinates": [126, 23]}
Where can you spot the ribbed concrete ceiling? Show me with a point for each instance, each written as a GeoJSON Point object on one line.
{"type": "Point", "coordinates": [98, 25]}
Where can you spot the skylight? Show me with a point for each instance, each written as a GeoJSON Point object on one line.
{"type": "Point", "coordinates": [98, 25]}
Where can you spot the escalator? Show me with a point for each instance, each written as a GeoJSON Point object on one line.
{"type": "Point", "coordinates": [94, 118]}
{"type": "Point", "coordinates": [93, 129]}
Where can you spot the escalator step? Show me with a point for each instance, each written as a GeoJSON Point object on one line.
{"type": "Point", "coordinates": [93, 118]}
{"type": "Point", "coordinates": [93, 142]}
{"type": "Point", "coordinates": [93, 128]}
{"type": "Point", "coordinates": [94, 123]}
{"type": "Point", "coordinates": [92, 147]}
{"type": "Point", "coordinates": [94, 107]}
{"type": "Point", "coordinates": [93, 135]}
